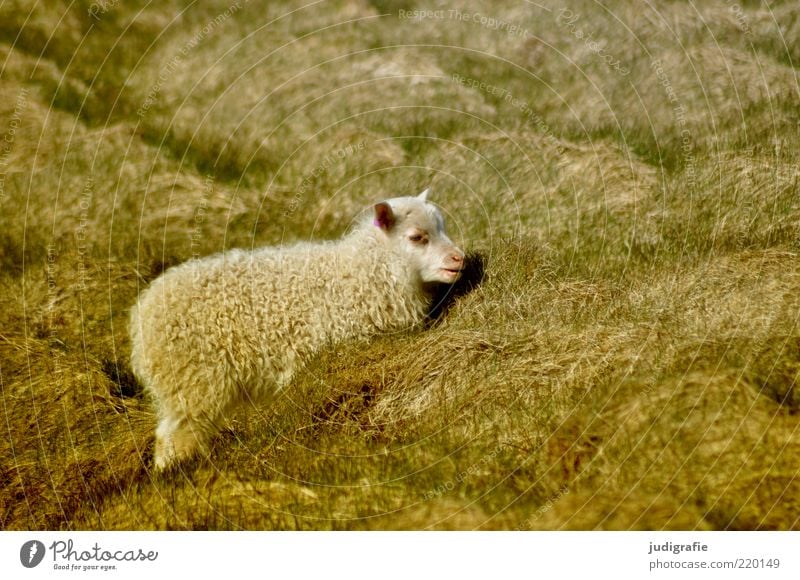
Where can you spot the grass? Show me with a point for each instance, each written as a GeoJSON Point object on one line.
{"type": "Point", "coordinates": [626, 355]}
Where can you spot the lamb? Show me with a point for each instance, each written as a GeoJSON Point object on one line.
{"type": "Point", "coordinates": [213, 333]}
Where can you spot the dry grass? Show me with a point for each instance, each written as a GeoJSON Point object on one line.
{"type": "Point", "coordinates": [624, 356]}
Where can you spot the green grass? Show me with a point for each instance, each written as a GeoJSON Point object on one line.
{"type": "Point", "coordinates": [629, 359]}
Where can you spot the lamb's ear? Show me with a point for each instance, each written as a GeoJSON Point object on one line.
{"type": "Point", "coordinates": [384, 216]}
{"type": "Point", "coordinates": [424, 195]}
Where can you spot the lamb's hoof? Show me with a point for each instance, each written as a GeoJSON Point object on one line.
{"type": "Point", "coordinates": [169, 456]}
{"type": "Point", "coordinates": [163, 463]}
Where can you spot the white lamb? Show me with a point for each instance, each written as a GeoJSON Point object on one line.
{"type": "Point", "coordinates": [212, 333]}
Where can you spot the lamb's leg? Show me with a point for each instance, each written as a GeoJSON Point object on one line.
{"type": "Point", "coordinates": [178, 439]}
{"type": "Point", "coordinates": [182, 434]}
{"type": "Point", "coordinates": [173, 443]}
{"type": "Point", "coordinates": [191, 415]}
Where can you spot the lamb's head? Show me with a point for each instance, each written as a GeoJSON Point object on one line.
{"type": "Point", "coordinates": [416, 227]}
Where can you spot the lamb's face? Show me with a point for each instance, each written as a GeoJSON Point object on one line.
{"type": "Point", "coordinates": [417, 227]}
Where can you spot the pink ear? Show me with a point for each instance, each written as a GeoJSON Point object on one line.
{"type": "Point", "coordinates": [384, 216]}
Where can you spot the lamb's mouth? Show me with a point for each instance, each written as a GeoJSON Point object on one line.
{"type": "Point", "coordinates": [451, 272]}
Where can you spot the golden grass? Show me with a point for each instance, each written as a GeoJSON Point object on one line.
{"type": "Point", "coordinates": [624, 355]}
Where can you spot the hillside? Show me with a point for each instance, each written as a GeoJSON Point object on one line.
{"type": "Point", "coordinates": [624, 177]}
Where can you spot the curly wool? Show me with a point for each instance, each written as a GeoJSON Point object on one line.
{"type": "Point", "coordinates": [214, 332]}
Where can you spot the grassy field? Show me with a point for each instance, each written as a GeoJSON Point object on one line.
{"type": "Point", "coordinates": [626, 177]}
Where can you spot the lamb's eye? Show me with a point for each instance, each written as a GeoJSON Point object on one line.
{"type": "Point", "coordinates": [418, 239]}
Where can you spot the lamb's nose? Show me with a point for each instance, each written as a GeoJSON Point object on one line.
{"type": "Point", "coordinates": [457, 258]}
